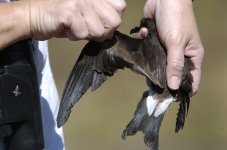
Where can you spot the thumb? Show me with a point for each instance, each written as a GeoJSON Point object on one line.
{"type": "Point", "coordinates": [175, 65]}
{"type": "Point", "coordinates": [149, 9]}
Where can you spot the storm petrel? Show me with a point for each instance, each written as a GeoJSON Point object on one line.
{"type": "Point", "coordinates": [99, 61]}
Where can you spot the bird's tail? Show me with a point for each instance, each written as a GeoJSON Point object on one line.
{"type": "Point", "coordinates": [148, 124]}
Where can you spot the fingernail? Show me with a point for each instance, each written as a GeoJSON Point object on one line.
{"type": "Point", "coordinates": [174, 82]}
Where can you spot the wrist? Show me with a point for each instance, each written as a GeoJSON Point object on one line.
{"type": "Point", "coordinates": [44, 20]}
{"type": "Point", "coordinates": [22, 21]}
{"type": "Point", "coordinates": [15, 24]}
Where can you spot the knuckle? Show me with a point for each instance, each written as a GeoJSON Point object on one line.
{"type": "Point", "coordinates": [195, 87]}
{"type": "Point", "coordinates": [173, 38]}
{"type": "Point", "coordinates": [81, 35]}
{"type": "Point", "coordinates": [98, 33]}
{"type": "Point", "coordinates": [115, 23]}
{"type": "Point", "coordinates": [176, 65]}
{"type": "Point", "coordinates": [202, 51]}
{"type": "Point", "coordinates": [120, 5]}
{"type": "Point", "coordinates": [195, 90]}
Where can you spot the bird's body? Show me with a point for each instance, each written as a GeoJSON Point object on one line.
{"type": "Point", "coordinates": [147, 57]}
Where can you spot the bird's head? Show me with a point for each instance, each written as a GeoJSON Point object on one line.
{"type": "Point", "coordinates": [145, 23]}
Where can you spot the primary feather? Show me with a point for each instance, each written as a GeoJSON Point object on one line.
{"type": "Point", "coordinates": [99, 61]}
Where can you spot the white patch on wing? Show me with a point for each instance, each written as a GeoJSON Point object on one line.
{"type": "Point", "coordinates": [151, 103]}
{"type": "Point", "coordinates": [162, 107]}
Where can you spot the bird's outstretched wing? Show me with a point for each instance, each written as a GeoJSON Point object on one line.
{"type": "Point", "coordinates": [95, 64]}
{"type": "Point", "coordinates": [98, 61]}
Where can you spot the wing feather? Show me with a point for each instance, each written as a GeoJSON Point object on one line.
{"type": "Point", "coordinates": [93, 67]}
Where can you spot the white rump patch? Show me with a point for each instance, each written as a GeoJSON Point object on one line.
{"type": "Point", "coordinates": [151, 103]}
{"type": "Point", "coordinates": [162, 107]}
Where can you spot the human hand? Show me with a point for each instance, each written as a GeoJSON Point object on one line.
{"type": "Point", "coordinates": [177, 29]}
{"type": "Point", "coordinates": [75, 19]}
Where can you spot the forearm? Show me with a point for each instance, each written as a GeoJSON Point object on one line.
{"type": "Point", "coordinates": [14, 24]}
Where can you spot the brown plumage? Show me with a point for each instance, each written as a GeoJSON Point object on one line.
{"type": "Point", "coordinates": [147, 57]}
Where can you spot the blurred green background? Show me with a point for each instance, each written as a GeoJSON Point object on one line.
{"type": "Point", "coordinates": [98, 120]}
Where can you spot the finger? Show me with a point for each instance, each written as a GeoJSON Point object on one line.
{"type": "Point", "coordinates": [196, 53]}
{"type": "Point", "coordinates": [78, 29]}
{"type": "Point", "coordinates": [175, 64]}
{"type": "Point", "coordinates": [196, 58]}
{"type": "Point", "coordinates": [111, 20]}
{"type": "Point", "coordinates": [148, 10]}
{"type": "Point", "coordinates": [143, 33]}
{"type": "Point", "coordinates": [196, 75]}
{"type": "Point", "coordinates": [118, 5]}
{"type": "Point", "coordinates": [93, 23]}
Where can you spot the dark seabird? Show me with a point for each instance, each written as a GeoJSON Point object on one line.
{"type": "Point", "coordinates": [99, 61]}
